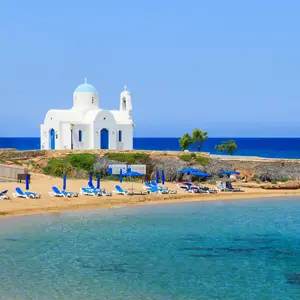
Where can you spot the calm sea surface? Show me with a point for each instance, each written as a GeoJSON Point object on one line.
{"type": "Point", "coordinates": [246, 249]}
{"type": "Point", "coordinates": [264, 147]}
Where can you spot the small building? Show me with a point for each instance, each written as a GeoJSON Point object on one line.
{"type": "Point", "coordinates": [87, 126]}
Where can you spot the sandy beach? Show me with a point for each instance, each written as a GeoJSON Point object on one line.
{"type": "Point", "coordinates": [42, 184]}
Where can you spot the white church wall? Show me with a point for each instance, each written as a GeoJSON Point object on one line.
{"type": "Point", "coordinates": [105, 120]}
{"type": "Point", "coordinates": [85, 101]}
{"type": "Point", "coordinates": [85, 142]}
{"type": "Point", "coordinates": [127, 137]}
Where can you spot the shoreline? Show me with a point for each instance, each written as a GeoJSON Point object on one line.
{"type": "Point", "coordinates": [125, 201]}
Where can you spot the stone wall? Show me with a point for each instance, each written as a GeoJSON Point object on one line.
{"type": "Point", "coordinates": [264, 169]}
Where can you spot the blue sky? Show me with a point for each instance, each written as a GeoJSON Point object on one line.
{"type": "Point", "coordinates": [229, 67]}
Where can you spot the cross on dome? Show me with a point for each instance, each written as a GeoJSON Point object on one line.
{"type": "Point", "coordinates": [85, 80]}
{"type": "Point", "coordinates": [125, 87]}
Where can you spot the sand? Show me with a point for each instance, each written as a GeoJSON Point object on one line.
{"type": "Point", "coordinates": [42, 184]}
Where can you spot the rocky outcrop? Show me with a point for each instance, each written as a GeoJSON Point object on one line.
{"type": "Point", "coordinates": [290, 185]}
{"type": "Point", "coordinates": [249, 167]}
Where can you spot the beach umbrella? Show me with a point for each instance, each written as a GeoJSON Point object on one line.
{"type": "Point", "coordinates": [98, 181]}
{"type": "Point", "coordinates": [229, 172]}
{"type": "Point", "coordinates": [157, 176]}
{"type": "Point", "coordinates": [163, 176]}
{"type": "Point", "coordinates": [200, 174]}
{"type": "Point", "coordinates": [27, 181]}
{"type": "Point", "coordinates": [64, 182]}
{"type": "Point", "coordinates": [121, 176]}
{"type": "Point", "coordinates": [187, 170]}
{"type": "Point", "coordinates": [91, 177]}
{"type": "Point", "coordinates": [132, 174]}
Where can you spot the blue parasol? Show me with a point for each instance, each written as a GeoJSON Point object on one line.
{"type": "Point", "coordinates": [64, 182]}
{"type": "Point", "coordinates": [201, 174]}
{"type": "Point", "coordinates": [187, 170]}
{"type": "Point", "coordinates": [163, 176]}
{"type": "Point", "coordinates": [229, 172]}
{"type": "Point", "coordinates": [91, 177]}
{"type": "Point", "coordinates": [132, 174]}
{"type": "Point", "coordinates": [121, 176]}
{"type": "Point", "coordinates": [27, 181]}
{"type": "Point", "coordinates": [98, 181]}
{"type": "Point", "coordinates": [156, 176]}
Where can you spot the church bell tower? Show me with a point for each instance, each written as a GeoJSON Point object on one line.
{"type": "Point", "coordinates": [125, 102]}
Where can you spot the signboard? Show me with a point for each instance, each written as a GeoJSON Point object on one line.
{"type": "Point", "coordinates": [115, 169]}
{"type": "Point", "coordinates": [137, 168]}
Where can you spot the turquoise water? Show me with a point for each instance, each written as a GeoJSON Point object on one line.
{"type": "Point", "coordinates": [248, 249]}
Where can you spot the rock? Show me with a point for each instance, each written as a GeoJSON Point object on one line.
{"type": "Point", "coordinates": [289, 185]}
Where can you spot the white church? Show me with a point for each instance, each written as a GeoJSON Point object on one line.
{"type": "Point", "coordinates": [87, 126]}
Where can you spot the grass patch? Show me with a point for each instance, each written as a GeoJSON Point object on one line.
{"type": "Point", "coordinates": [65, 165]}
{"type": "Point", "coordinates": [202, 160]}
{"type": "Point", "coordinates": [199, 159]}
{"type": "Point", "coordinates": [283, 179]}
{"type": "Point", "coordinates": [129, 158]}
{"type": "Point", "coordinates": [186, 157]}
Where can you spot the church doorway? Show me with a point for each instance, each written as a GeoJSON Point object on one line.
{"type": "Point", "coordinates": [52, 139]}
{"type": "Point", "coordinates": [104, 139]}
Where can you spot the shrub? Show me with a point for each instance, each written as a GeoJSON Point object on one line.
{"type": "Point", "coordinates": [129, 158]}
{"type": "Point", "coordinates": [283, 179]}
{"type": "Point", "coordinates": [185, 157]}
{"type": "Point", "coordinates": [82, 161]}
{"type": "Point", "coordinates": [58, 167]}
{"type": "Point", "coordinates": [65, 165]}
{"type": "Point", "coordinates": [274, 181]}
{"type": "Point", "coordinates": [257, 180]}
{"type": "Point", "coordinates": [202, 160]}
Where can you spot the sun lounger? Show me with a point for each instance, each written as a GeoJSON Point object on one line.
{"type": "Point", "coordinates": [147, 186]}
{"type": "Point", "coordinates": [4, 196]}
{"type": "Point", "coordinates": [231, 189]}
{"type": "Point", "coordinates": [197, 189]}
{"type": "Point", "coordinates": [20, 194]}
{"type": "Point", "coordinates": [154, 190]}
{"type": "Point", "coordinates": [102, 192]}
{"type": "Point", "coordinates": [89, 192]}
{"type": "Point", "coordinates": [119, 191]}
{"type": "Point", "coordinates": [184, 185]}
{"type": "Point", "coordinates": [163, 189]}
{"type": "Point", "coordinates": [57, 193]}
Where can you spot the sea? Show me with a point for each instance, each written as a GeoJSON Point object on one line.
{"type": "Point", "coordinates": [235, 250]}
{"type": "Point", "coordinates": [263, 147]}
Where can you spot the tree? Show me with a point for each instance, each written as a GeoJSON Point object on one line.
{"type": "Point", "coordinates": [229, 146]}
{"type": "Point", "coordinates": [185, 141]}
{"type": "Point", "coordinates": [199, 137]}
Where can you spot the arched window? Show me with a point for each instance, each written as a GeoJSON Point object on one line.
{"type": "Point", "coordinates": [120, 135]}
{"type": "Point", "coordinates": [124, 103]}
{"type": "Point", "coordinates": [80, 135]}
{"type": "Point", "coordinates": [92, 100]}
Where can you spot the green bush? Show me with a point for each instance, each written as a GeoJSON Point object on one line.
{"type": "Point", "coordinates": [82, 161]}
{"type": "Point", "coordinates": [58, 167]}
{"type": "Point", "coordinates": [65, 165]}
{"type": "Point", "coordinates": [283, 179]}
{"type": "Point", "coordinates": [199, 159]}
{"type": "Point", "coordinates": [257, 180]}
{"type": "Point", "coordinates": [274, 181]}
{"type": "Point", "coordinates": [202, 160]}
{"type": "Point", "coordinates": [129, 158]}
{"type": "Point", "coordinates": [185, 157]}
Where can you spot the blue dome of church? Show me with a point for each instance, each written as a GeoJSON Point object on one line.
{"type": "Point", "coordinates": [85, 88]}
